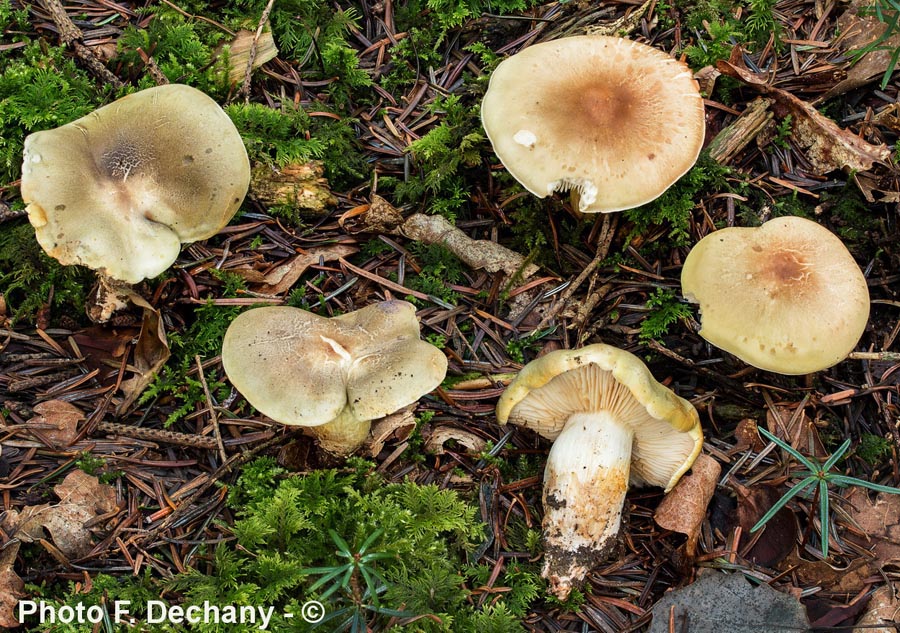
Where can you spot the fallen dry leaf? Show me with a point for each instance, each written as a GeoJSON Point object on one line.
{"type": "Point", "coordinates": [85, 490]}
{"type": "Point", "coordinates": [27, 525]}
{"type": "Point", "coordinates": [82, 499]}
{"type": "Point", "coordinates": [11, 586]}
{"type": "Point", "coordinates": [239, 52]}
{"type": "Point", "coordinates": [57, 421]}
{"type": "Point", "coordinates": [66, 525]}
{"type": "Point", "coordinates": [394, 427]}
{"type": "Point", "coordinates": [282, 278]}
{"type": "Point", "coordinates": [827, 146]}
{"type": "Point", "coordinates": [684, 508]}
{"type": "Point", "coordinates": [857, 31]}
{"type": "Point", "coordinates": [150, 353]}
{"type": "Point", "coordinates": [879, 518]}
{"type": "Point", "coordinates": [882, 613]}
{"type": "Point", "coordinates": [778, 536]}
{"type": "Point", "coordinates": [442, 434]}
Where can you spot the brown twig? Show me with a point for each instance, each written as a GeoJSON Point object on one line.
{"type": "Point", "coordinates": [71, 35]}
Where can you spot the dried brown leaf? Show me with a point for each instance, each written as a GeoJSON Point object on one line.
{"type": "Point", "coordinates": [778, 536]}
{"type": "Point", "coordinates": [150, 353]}
{"type": "Point", "coordinates": [282, 278]}
{"type": "Point", "coordinates": [827, 146]}
{"type": "Point", "coordinates": [882, 613]}
{"type": "Point", "coordinates": [795, 428]}
{"type": "Point", "coordinates": [57, 421]}
{"type": "Point", "coordinates": [394, 427]}
{"type": "Point", "coordinates": [27, 525]}
{"type": "Point", "coordinates": [879, 518]}
{"type": "Point", "coordinates": [684, 508]}
{"type": "Point", "coordinates": [856, 32]}
{"type": "Point", "coordinates": [66, 525]}
{"type": "Point", "coordinates": [86, 490]}
{"type": "Point", "coordinates": [11, 586]}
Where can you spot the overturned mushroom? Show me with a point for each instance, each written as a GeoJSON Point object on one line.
{"type": "Point", "coordinates": [122, 188]}
{"type": "Point", "coordinates": [335, 375]}
{"type": "Point", "coordinates": [615, 121]}
{"type": "Point", "coordinates": [612, 424]}
{"type": "Point", "coordinates": [786, 296]}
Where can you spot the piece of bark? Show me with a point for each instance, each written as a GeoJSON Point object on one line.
{"type": "Point", "coordinates": [826, 145]}
{"type": "Point", "coordinates": [733, 139]}
{"type": "Point", "coordinates": [301, 186]}
{"type": "Point", "coordinates": [248, 50]}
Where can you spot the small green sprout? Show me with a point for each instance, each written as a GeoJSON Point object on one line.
{"type": "Point", "coordinates": [358, 580]}
{"type": "Point", "coordinates": [817, 476]}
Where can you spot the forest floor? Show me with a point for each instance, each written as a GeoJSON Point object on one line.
{"type": "Point", "coordinates": [185, 493]}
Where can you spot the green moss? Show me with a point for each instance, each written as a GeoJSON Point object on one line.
{"type": "Point", "coordinates": [183, 48]}
{"type": "Point", "coordinates": [422, 538]}
{"type": "Point", "coordinates": [40, 88]}
{"type": "Point", "coordinates": [289, 135]}
{"type": "Point", "coordinates": [440, 267]}
{"type": "Point", "coordinates": [665, 311]}
{"type": "Point", "coordinates": [30, 281]}
{"type": "Point", "coordinates": [873, 449]}
{"type": "Point", "coordinates": [443, 158]}
{"type": "Point", "coordinates": [674, 207]}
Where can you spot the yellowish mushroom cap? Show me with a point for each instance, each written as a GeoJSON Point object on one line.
{"type": "Point", "coordinates": [616, 121]}
{"type": "Point", "coordinates": [786, 296]}
{"type": "Point", "coordinates": [122, 188]}
{"type": "Point", "coordinates": [302, 369]}
{"type": "Point", "coordinates": [550, 389]}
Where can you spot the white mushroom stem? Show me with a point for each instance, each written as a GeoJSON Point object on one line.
{"type": "Point", "coordinates": [585, 482]}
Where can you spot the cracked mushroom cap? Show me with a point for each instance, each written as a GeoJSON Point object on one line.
{"type": "Point", "coordinates": [615, 121]}
{"type": "Point", "coordinates": [551, 389]}
{"type": "Point", "coordinates": [122, 188]}
{"type": "Point", "coordinates": [786, 296]}
{"type": "Point", "coordinates": [302, 369]}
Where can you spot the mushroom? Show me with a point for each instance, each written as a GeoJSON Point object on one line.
{"type": "Point", "coordinates": [786, 296]}
{"type": "Point", "coordinates": [122, 188]}
{"type": "Point", "coordinates": [615, 121]}
{"type": "Point", "coordinates": [335, 374]}
{"type": "Point", "coordinates": [612, 424]}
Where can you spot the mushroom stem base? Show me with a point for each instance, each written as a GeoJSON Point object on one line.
{"type": "Point", "coordinates": [343, 435]}
{"type": "Point", "coordinates": [108, 297]}
{"type": "Point", "coordinates": [585, 482]}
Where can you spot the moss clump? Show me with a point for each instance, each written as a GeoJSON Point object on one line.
{"type": "Point", "coordinates": [423, 535]}
{"type": "Point", "coordinates": [674, 207]}
{"type": "Point", "coordinates": [31, 282]}
{"type": "Point", "coordinates": [40, 88]}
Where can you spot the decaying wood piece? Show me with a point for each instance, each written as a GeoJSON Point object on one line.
{"type": "Point", "coordinates": [298, 185]}
{"type": "Point", "coordinates": [732, 140]}
{"type": "Point", "coordinates": [382, 217]}
{"type": "Point", "coordinates": [827, 146]}
{"type": "Point", "coordinates": [481, 254]}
